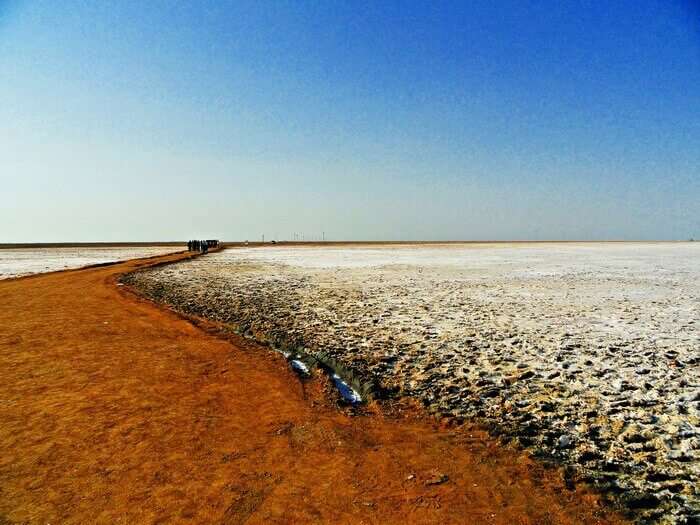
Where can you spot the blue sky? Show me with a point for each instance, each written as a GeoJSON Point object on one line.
{"type": "Point", "coordinates": [376, 120]}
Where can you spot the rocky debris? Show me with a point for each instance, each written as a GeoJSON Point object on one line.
{"type": "Point", "coordinates": [595, 364]}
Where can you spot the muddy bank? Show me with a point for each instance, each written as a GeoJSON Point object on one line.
{"type": "Point", "coordinates": [587, 355]}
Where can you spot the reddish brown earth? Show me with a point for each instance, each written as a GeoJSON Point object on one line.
{"type": "Point", "coordinates": [114, 410]}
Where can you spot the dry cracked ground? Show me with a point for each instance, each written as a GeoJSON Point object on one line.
{"type": "Point", "coordinates": [588, 354]}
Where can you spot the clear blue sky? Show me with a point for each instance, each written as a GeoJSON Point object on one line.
{"type": "Point", "coordinates": [379, 120]}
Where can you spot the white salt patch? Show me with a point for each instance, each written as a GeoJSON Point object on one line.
{"type": "Point", "coordinates": [15, 262]}
{"type": "Point", "coordinates": [524, 260]}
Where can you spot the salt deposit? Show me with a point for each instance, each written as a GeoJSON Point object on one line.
{"type": "Point", "coordinates": [15, 262]}
{"type": "Point", "coordinates": [585, 353]}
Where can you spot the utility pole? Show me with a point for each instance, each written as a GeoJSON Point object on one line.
{"type": "Point", "coordinates": [263, 237]}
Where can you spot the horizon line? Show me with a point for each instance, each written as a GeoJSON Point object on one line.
{"type": "Point", "coordinates": [87, 244]}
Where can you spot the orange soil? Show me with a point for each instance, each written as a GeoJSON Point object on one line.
{"type": "Point", "coordinates": [115, 410]}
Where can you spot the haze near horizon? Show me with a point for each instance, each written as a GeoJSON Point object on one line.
{"type": "Point", "coordinates": [366, 121]}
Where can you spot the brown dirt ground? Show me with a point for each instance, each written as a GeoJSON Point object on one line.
{"type": "Point", "coordinates": [115, 410]}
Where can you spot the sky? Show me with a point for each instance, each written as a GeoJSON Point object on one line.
{"type": "Point", "coordinates": [144, 121]}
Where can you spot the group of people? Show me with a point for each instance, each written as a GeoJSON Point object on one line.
{"type": "Point", "coordinates": [202, 246]}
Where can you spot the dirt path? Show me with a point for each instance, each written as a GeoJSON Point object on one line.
{"type": "Point", "coordinates": [113, 410]}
